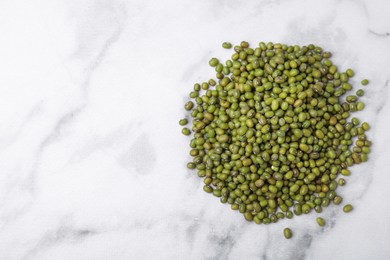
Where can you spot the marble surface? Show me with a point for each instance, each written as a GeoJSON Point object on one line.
{"type": "Point", "coordinates": [92, 159]}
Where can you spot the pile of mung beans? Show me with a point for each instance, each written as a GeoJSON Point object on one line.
{"type": "Point", "coordinates": [272, 135]}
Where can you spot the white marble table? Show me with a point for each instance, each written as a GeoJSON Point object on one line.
{"type": "Point", "coordinates": [92, 159]}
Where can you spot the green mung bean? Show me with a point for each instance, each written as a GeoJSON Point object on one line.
{"type": "Point", "coordinates": [320, 221]}
{"type": "Point", "coordinates": [273, 133]}
{"type": "Point", "coordinates": [287, 233]}
{"type": "Point", "coordinates": [347, 208]}
{"type": "Point", "coordinates": [186, 131]}
{"type": "Point", "coordinates": [226, 45]}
